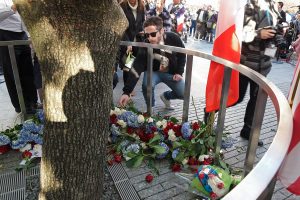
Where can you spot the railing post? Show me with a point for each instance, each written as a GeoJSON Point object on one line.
{"type": "Point", "coordinates": [187, 88]}
{"type": "Point", "coordinates": [255, 130]}
{"type": "Point", "coordinates": [222, 112]}
{"type": "Point", "coordinates": [17, 81]}
{"type": "Point", "coordinates": [149, 80]}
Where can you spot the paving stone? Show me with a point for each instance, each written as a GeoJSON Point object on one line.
{"type": "Point", "coordinates": [278, 196]}
{"type": "Point", "coordinates": [152, 191]}
{"type": "Point", "coordinates": [185, 196]}
{"type": "Point", "coordinates": [166, 194]}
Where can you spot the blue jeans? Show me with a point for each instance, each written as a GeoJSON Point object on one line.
{"type": "Point", "coordinates": [177, 87]}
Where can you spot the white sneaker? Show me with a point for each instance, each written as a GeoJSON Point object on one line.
{"type": "Point", "coordinates": [166, 102]}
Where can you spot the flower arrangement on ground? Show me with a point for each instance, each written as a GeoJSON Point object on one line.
{"type": "Point", "coordinates": [26, 138]}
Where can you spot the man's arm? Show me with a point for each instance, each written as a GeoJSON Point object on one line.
{"type": "Point", "coordinates": [181, 57]}
{"type": "Point", "coordinates": [5, 12]}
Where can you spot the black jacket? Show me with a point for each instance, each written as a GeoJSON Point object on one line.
{"type": "Point", "coordinates": [135, 25]}
{"type": "Point", "coordinates": [176, 61]}
{"type": "Point", "coordinates": [255, 19]}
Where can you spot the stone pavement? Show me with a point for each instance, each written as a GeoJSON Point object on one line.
{"type": "Point", "coordinates": [130, 183]}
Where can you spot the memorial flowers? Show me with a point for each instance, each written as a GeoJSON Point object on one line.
{"type": "Point", "coordinates": [139, 138]}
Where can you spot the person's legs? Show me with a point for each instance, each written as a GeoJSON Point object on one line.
{"type": "Point", "coordinates": [155, 80]}
{"type": "Point", "coordinates": [177, 87]}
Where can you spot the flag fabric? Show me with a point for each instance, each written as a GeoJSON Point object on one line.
{"type": "Point", "coordinates": [180, 21]}
{"type": "Point", "coordinates": [227, 45]}
{"type": "Point", "coordinates": [289, 173]}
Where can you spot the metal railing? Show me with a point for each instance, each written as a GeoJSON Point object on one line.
{"type": "Point", "coordinates": [259, 181]}
{"type": "Point", "coordinates": [251, 186]}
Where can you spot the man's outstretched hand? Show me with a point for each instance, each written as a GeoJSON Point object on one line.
{"type": "Point", "coordinates": [124, 100]}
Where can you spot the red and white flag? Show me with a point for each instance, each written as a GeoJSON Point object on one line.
{"type": "Point", "coordinates": [227, 45]}
{"type": "Point", "coordinates": [289, 173]}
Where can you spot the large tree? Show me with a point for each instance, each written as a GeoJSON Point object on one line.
{"type": "Point", "coordinates": [76, 42]}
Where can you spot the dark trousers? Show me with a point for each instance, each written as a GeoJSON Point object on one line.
{"type": "Point", "coordinates": [25, 67]}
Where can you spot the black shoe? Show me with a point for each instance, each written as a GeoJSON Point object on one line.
{"type": "Point", "coordinates": [245, 133]}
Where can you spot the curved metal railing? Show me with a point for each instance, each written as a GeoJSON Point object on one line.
{"type": "Point", "coordinates": [251, 186]}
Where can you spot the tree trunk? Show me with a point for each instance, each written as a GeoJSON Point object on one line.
{"type": "Point", "coordinates": [76, 42]}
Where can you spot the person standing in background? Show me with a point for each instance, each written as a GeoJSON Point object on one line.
{"type": "Point", "coordinates": [13, 28]}
{"type": "Point", "coordinates": [160, 11]}
{"type": "Point", "coordinates": [177, 11]}
{"type": "Point", "coordinates": [281, 12]}
{"type": "Point", "coordinates": [135, 14]}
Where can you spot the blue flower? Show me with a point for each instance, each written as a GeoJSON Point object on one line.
{"type": "Point", "coordinates": [175, 153]}
{"type": "Point", "coordinates": [166, 151]}
{"type": "Point", "coordinates": [130, 118]}
{"type": "Point", "coordinates": [40, 115]}
{"type": "Point", "coordinates": [135, 148]}
{"type": "Point", "coordinates": [4, 140]}
{"type": "Point", "coordinates": [186, 130]}
{"type": "Point", "coordinates": [115, 132]}
{"type": "Point", "coordinates": [149, 127]}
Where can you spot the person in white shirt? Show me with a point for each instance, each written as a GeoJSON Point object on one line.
{"type": "Point", "coordinates": [13, 28]}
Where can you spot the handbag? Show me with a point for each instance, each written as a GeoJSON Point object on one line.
{"type": "Point", "coordinates": [128, 62]}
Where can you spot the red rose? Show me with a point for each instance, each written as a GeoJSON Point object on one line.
{"type": "Point", "coordinates": [195, 126]}
{"type": "Point", "coordinates": [26, 154]}
{"type": "Point", "coordinates": [201, 176]}
{"type": "Point", "coordinates": [149, 178]}
{"type": "Point", "coordinates": [153, 129]}
{"type": "Point", "coordinates": [130, 130]}
{"type": "Point", "coordinates": [177, 130]}
{"type": "Point", "coordinates": [149, 136]}
{"type": "Point", "coordinates": [193, 161]}
{"type": "Point", "coordinates": [110, 162]}
{"type": "Point", "coordinates": [166, 130]}
{"type": "Point", "coordinates": [118, 158]}
{"type": "Point", "coordinates": [113, 119]}
{"type": "Point", "coordinates": [170, 125]}
{"type": "Point", "coordinates": [176, 167]}
{"type": "Point", "coordinates": [213, 195]}
{"type": "Point", "coordinates": [220, 185]}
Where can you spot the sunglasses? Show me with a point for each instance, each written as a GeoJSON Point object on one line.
{"type": "Point", "coordinates": [153, 34]}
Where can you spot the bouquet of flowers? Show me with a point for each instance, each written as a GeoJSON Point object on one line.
{"type": "Point", "coordinates": [26, 138]}
{"type": "Point", "coordinates": [137, 137]}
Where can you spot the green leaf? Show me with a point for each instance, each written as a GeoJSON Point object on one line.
{"type": "Point", "coordinates": [135, 162]}
{"type": "Point", "coordinates": [131, 154]}
{"type": "Point", "coordinates": [159, 149]}
{"type": "Point", "coordinates": [176, 144]}
{"type": "Point", "coordinates": [180, 157]}
{"type": "Point", "coordinates": [174, 120]}
{"type": "Point", "coordinates": [152, 166]}
{"type": "Point", "coordinates": [154, 139]}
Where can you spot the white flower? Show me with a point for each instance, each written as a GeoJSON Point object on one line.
{"type": "Point", "coordinates": [123, 110]}
{"type": "Point", "coordinates": [111, 112]}
{"type": "Point", "coordinates": [155, 133]}
{"type": "Point", "coordinates": [158, 124]}
{"type": "Point", "coordinates": [164, 123]}
{"type": "Point", "coordinates": [27, 147]}
{"type": "Point", "coordinates": [202, 157]}
{"type": "Point", "coordinates": [117, 111]}
{"type": "Point", "coordinates": [141, 119]}
{"type": "Point", "coordinates": [37, 147]}
{"type": "Point", "coordinates": [171, 132]}
{"type": "Point", "coordinates": [144, 146]}
{"type": "Point", "coordinates": [185, 161]}
{"type": "Point", "coordinates": [150, 120]}
{"type": "Point", "coordinates": [172, 137]}
{"type": "Point", "coordinates": [135, 136]}
{"type": "Point", "coordinates": [121, 123]}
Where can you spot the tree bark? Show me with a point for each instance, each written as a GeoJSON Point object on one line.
{"type": "Point", "coordinates": [76, 42]}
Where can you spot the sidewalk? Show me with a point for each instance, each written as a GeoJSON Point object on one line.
{"type": "Point", "coordinates": [130, 183]}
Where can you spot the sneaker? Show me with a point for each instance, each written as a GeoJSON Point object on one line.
{"type": "Point", "coordinates": [245, 133]}
{"type": "Point", "coordinates": [166, 102]}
